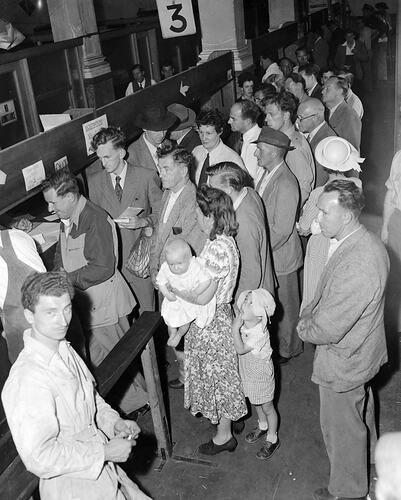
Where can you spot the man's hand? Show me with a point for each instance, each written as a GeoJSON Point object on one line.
{"type": "Point", "coordinates": [126, 429]}
{"type": "Point", "coordinates": [118, 449]}
{"type": "Point", "coordinates": [133, 222]}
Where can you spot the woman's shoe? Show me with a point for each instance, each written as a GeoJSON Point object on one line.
{"type": "Point", "coordinates": [211, 448]}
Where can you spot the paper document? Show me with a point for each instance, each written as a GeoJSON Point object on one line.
{"type": "Point", "coordinates": [34, 175]}
{"type": "Point", "coordinates": [128, 212]}
{"type": "Point", "coordinates": [51, 121]}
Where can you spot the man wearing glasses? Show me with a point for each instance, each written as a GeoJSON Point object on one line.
{"type": "Point", "coordinates": [311, 123]}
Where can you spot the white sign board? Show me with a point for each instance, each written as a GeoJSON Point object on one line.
{"type": "Point", "coordinates": [7, 113]}
{"type": "Point", "coordinates": [34, 175]}
{"type": "Point", "coordinates": [176, 18]}
{"type": "Point", "coordinates": [91, 128]}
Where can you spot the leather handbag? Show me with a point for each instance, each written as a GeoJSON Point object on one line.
{"type": "Point", "coordinates": [139, 257]}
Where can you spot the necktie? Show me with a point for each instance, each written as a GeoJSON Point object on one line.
{"type": "Point", "coordinates": [118, 189]}
{"type": "Point", "coordinates": [240, 144]}
{"type": "Point", "coordinates": [203, 174]}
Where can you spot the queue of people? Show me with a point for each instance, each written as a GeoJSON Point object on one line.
{"type": "Point", "coordinates": [224, 263]}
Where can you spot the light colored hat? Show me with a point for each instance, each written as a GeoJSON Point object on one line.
{"type": "Point", "coordinates": [273, 69]}
{"type": "Point", "coordinates": [263, 303]}
{"type": "Point", "coordinates": [336, 153]}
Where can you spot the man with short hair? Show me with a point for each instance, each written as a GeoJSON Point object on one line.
{"type": "Point", "coordinates": [351, 55]}
{"type": "Point", "coordinates": [87, 250]}
{"type": "Point", "coordinates": [243, 121]}
{"type": "Point", "coordinates": [281, 113]}
{"type": "Point", "coordinates": [210, 125]}
{"type": "Point", "coordinates": [350, 97]}
{"type": "Point", "coordinates": [303, 58]}
{"type": "Point", "coordinates": [183, 132]}
{"type": "Point", "coordinates": [177, 217]}
{"type": "Point", "coordinates": [342, 118]}
{"type": "Point", "coordinates": [311, 122]}
{"type": "Point", "coordinates": [295, 84]}
{"type": "Point", "coordinates": [279, 191]}
{"type": "Point", "coordinates": [310, 73]}
{"type": "Point", "coordinates": [138, 81]}
{"type": "Point", "coordinates": [120, 185]}
{"type": "Point", "coordinates": [256, 264]}
{"type": "Point", "coordinates": [345, 322]}
{"type": "Point", "coordinates": [154, 120]}
{"type": "Point", "coordinates": [65, 433]}
{"type": "Point", "coordinates": [167, 70]}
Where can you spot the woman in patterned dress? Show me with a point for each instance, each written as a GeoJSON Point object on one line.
{"type": "Point", "coordinates": [212, 382]}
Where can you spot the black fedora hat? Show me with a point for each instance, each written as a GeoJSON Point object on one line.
{"type": "Point", "coordinates": [275, 138]}
{"type": "Point", "coordinates": [155, 117]}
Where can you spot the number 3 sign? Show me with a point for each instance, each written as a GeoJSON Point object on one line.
{"type": "Point", "coordinates": [176, 18]}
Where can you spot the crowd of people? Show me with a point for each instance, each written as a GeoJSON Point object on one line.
{"type": "Point", "coordinates": [250, 245]}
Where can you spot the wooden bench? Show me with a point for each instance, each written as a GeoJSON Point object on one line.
{"type": "Point", "coordinates": [16, 483]}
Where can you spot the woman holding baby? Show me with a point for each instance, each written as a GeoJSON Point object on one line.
{"type": "Point", "coordinates": [212, 382]}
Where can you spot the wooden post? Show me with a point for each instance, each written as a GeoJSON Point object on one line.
{"type": "Point", "coordinates": [160, 424]}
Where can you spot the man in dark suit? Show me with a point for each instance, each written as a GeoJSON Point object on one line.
{"type": "Point", "coordinates": [311, 122]}
{"type": "Point", "coordinates": [184, 132]}
{"type": "Point", "coordinates": [310, 73]}
{"type": "Point", "coordinates": [278, 188]}
{"type": "Point", "coordinates": [341, 117]}
{"type": "Point", "coordinates": [120, 185]}
{"type": "Point", "coordinates": [177, 217]}
{"type": "Point", "coordinates": [138, 81]}
{"type": "Point", "coordinates": [155, 120]}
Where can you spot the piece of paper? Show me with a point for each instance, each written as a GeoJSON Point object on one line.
{"type": "Point", "coordinates": [3, 177]}
{"type": "Point", "coordinates": [7, 113]}
{"type": "Point", "coordinates": [91, 128]}
{"type": "Point", "coordinates": [128, 212]}
{"type": "Point", "coordinates": [34, 175]}
{"type": "Point", "coordinates": [61, 163]}
{"type": "Point", "coordinates": [51, 121]}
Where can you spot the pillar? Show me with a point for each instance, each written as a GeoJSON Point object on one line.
{"type": "Point", "coordinates": [75, 18]}
{"type": "Point", "coordinates": [223, 28]}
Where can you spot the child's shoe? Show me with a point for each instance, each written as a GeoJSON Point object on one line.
{"type": "Point", "coordinates": [255, 435]}
{"type": "Point", "coordinates": [267, 450]}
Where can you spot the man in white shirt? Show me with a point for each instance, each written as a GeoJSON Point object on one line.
{"type": "Point", "coordinates": [210, 125]}
{"type": "Point", "coordinates": [350, 97]}
{"type": "Point", "coordinates": [243, 120]}
{"type": "Point", "coordinates": [155, 120]}
{"type": "Point", "coordinates": [139, 81]}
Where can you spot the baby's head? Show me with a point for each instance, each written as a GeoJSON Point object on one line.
{"type": "Point", "coordinates": [178, 255]}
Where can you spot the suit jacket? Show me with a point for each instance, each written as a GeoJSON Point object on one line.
{"type": "Point", "coordinates": [141, 189]}
{"type": "Point", "coordinates": [317, 92]}
{"type": "Point", "coordinates": [320, 53]}
{"type": "Point", "coordinates": [347, 124]}
{"type": "Point", "coordinates": [281, 200]}
{"type": "Point", "coordinates": [181, 222]}
{"type": "Point", "coordinates": [190, 141]}
{"type": "Point", "coordinates": [325, 131]}
{"type": "Point", "coordinates": [345, 317]}
{"type": "Point", "coordinates": [361, 55]}
{"type": "Point", "coordinates": [256, 264]}
{"type": "Point", "coordinates": [139, 154]}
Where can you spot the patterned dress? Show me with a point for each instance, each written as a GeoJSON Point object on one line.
{"type": "Point", "coordinates": [212, 382]}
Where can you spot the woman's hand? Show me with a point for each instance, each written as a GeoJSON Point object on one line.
{"type": "Point", "coordinates": [188, 296]}
{"type": "Point", "coordinates": [238, 320]}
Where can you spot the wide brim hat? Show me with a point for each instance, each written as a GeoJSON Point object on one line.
{"type": "Point", "coordinates": [336, 153]}
{"type": "Point", "coordinates": [155, 117]}
{"type": "Point", "coordinates": [275, 138]}
{"type": "Point", "coordinates": [186, 116]}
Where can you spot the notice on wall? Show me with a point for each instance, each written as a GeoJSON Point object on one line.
{"type": "Point", "coordinates": [61, 163]}
{"type": "Point", "coordinates": [7, 113]}
{"type": "Point", "coordinates": [51, 121]}
{"type": "Point", "coordinates": [91, 128]}
{"type": "Point", "coordinates": [176, 18]}
{"type": "Point", "coordinates": [34, 175]}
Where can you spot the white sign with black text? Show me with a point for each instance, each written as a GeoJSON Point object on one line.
{"type": "Point", "coordinates": [176, 18]}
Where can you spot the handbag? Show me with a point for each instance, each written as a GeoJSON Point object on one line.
{"type": "Point", "coordinates": [139, 257]}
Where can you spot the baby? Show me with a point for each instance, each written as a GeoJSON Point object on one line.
{"type": "Point", "coordinates": [185, 273]}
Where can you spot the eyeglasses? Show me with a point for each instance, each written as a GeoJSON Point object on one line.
{"type": "Point", "coordinates": [302, 118]}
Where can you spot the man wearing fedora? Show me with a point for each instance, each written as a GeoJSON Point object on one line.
{"type": "Point", "coordinates": [278, 188]}
{"type": "Point", "coordinates": [184, 132]}
{"type": "Point", "coordinates": [154, 120]}
{"type": "Point", "coordinates": [120, 185]}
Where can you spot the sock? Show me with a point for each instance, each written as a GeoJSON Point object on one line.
{"type": "Point", "coordinates": [262, 425]}
{"type": "Point", "coordinates": [272, 438]}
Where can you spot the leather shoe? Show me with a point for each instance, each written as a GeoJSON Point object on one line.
{"type": "Point", "coordinates": [176, 384]}
{"type": "Point", "coordinates": [255, 435]}
{"type": "Point", "coordinates": [211, 448]}
{"type": "Point", "coordinates": [324, 494]}
{"type": "Point", "coordinates": [238, 426]}
{"type": "Point", "coordinates": [137, 413]}
{"type": "Point", "coordinates": [267, 450]}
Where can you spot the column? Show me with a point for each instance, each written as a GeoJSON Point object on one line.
{"type": "Point", "coordinates": [222, 24]}
{"type": "Point", "coordinates": [75, 18]}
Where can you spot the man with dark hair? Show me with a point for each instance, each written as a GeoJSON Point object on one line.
{"type": "Point", "coordinates": [183, 131]}
{"type": "Point", "coordinates": [177, 217]}
{"type": "Point", "coordinates": [310, 73]}
{"type": "Point", "coordinates": [279, 191]}
{"type": "Point", "coordinates": [65, 433]}
{"type": "Point", "coordinates": [302, 56]}
{"type": "Point", "coordinates": [210, 125]}
{"type": "Point", "coordinates": [320, 48]}
{"type": "Point", "coordinates": [244, 125]}
{"type": "Point", "coordinates": [286, 66]}
{"type": "Point", "coordinates": [351, 55]}
{"type": "Point", "coordinates": [256, 264]}
{"type": "Point", "coordinates": [120, 185]}
{"type": "Point", "coordinates": [295, 84]}
{"type": "Point", "coordinates": [342, 118]}
{"type": "Point", "coordinates": [281, 111]}
{"type": "Point", "coordinates": [138, 80]}
{"type": "Point", "coordinates": [87, 250]}
{"type": "Point", "coordinates": [167, 70]}
{"type": "Point", "coordinates": [345, 322]}
{"type": "Point", "coordinates": [245, 83]}
{"type": "Point", "coordinates": [350, 97]}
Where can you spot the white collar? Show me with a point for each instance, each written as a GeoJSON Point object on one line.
{"type": "Point", "coordinates": [241, 196]}
{"type": "Point", "coordinates": [250, 134]}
